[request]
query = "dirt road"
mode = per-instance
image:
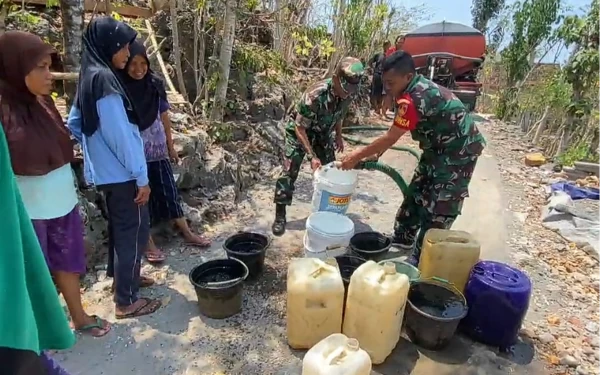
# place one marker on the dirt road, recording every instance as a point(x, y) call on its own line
point(177, 340)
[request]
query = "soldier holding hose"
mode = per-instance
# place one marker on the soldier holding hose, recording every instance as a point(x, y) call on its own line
point(310, 130)
point(451, 144)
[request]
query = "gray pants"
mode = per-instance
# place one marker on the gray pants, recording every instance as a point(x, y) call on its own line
point(128, 235)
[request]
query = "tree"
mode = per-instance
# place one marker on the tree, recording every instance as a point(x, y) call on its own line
point(72, 24)
point(581, 71)
point(224, 60)
point(483, 11)
point(177, 48)
point(532, 25)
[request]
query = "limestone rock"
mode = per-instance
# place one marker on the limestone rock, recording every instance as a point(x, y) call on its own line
point(535, 159)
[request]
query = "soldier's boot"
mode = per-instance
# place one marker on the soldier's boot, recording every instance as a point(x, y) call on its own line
point(278, 226)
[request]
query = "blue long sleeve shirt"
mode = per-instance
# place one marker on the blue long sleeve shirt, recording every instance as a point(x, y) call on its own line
point(115, 152)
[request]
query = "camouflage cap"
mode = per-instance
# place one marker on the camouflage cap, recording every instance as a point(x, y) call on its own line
point(350, 70)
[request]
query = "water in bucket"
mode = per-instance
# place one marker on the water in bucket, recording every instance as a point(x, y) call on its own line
point(333, 189)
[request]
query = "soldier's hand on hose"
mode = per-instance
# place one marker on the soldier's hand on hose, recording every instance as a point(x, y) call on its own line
point(315, 164)
point(339, 143)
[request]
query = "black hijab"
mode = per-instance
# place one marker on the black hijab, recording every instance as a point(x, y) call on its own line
point(145, 93)
point(103, 37)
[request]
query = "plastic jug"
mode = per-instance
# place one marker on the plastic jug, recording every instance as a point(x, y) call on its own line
point(315, 301)
point(336, 355)
point(375, 308)
point(449, 255)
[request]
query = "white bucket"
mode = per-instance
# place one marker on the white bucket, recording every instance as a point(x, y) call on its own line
point(333, 189)
point(327, 235)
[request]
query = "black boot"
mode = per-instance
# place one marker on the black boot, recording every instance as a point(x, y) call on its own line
point(278, 226)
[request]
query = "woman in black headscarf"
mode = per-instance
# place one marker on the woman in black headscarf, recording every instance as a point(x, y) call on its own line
point(108, 123)
point(147, 93)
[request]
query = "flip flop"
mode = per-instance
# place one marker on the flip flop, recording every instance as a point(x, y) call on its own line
point(151, 306)
point(204, 244)
point(155, 257)
point(98, 324)
point(145, 282)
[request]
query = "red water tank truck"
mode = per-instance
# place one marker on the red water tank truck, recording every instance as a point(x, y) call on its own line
point(450, 54)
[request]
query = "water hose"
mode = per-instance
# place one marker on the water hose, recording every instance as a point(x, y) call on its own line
point(376, 165)
point(351, 129)
point(386, 169)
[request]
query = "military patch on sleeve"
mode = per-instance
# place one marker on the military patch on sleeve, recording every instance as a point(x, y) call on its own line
point(405, 115)
point(402, 108)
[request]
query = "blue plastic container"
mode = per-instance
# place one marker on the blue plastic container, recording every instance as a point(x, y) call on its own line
point(498, 296)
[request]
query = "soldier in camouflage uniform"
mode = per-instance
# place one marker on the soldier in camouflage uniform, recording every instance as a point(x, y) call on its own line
point(451, 144)
point(314, 130)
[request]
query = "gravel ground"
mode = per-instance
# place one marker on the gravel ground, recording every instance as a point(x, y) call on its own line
point(177, 340)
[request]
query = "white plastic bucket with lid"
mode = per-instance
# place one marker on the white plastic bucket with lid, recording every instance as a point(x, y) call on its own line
point(333, 189)
point(327, 235)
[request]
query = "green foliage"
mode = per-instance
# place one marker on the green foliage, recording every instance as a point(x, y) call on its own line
point(361, 22)
point(579, 152)
point(251, 5)
point(116, 16)
point(483, 11)
point(221, 132)
point(582, 68)
point(249, 57)
point(24, 18)
point(532, 25)
point(557, 94)
point(52, 3)
point(309, 40)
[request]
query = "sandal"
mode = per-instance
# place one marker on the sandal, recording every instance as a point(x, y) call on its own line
point(203, 242)
point(155, 257)
point(145, 282)
point(151, 306)
point(99, 324)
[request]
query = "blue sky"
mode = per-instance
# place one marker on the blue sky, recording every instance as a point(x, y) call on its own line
point(460, 11)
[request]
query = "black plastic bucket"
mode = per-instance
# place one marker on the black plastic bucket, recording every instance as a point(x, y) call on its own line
point(370, 245)
point(219, 287)
point(348, 264)
point(250, 248)
point(434, 310)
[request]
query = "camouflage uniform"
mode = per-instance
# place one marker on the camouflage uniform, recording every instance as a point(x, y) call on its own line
point(320, 110)
point(451, 144)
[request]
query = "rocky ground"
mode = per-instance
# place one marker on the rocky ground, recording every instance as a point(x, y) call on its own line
point(563, 316)
point(559, 336)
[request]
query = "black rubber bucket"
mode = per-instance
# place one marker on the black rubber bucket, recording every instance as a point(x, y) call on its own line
point(370, 245)
point(219, 287)
point(348, 264)
point(250, 248)
point(434, 310)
